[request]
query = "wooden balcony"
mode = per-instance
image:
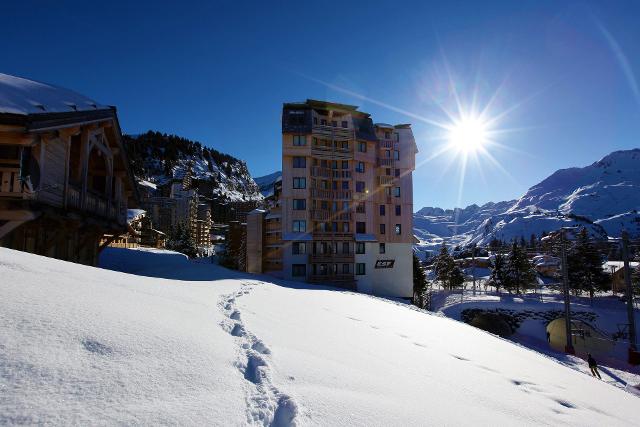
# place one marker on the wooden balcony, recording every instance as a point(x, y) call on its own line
point(330, 152)
point(386, 162)
point(332, 258)
point(385, 180)
point(387, 143)
point(327, 215)
point(331, 235)
point(319, 193)
point(333, 133)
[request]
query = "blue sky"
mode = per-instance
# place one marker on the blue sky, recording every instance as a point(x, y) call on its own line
point(566, 73)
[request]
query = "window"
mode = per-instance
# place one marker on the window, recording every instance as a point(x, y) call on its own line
point(345, 164)
point(397, 172)
point(299, 226)
point(345, 124)
point(382, 210)
point(361, 227)
point(360, 167)
point(398, 210)
point(396, 191)
point(299, 248)
point(387, 135)
point(345, 185)
point(299, 140)
point(345, 206)
point(359, 247)
point(298, 270)
point(396, 155)
point(345, 268)
point(323, 122)
point(383, 228)
point(387, 154)
point(359, 186)
point(296, 118)
point(299, 204)
point(334, 227)
point(334, 164)
point(324, 205)
point(362, 147)
point(345, 247)
point(299, 162)
point(398, 229)
point(334, 123)
point(315, 120)
point(299, 182)
point(345, 227)
point(388, 171)
point(360, 269)
point(383, 248)
point(360, 208)
point(334, 185)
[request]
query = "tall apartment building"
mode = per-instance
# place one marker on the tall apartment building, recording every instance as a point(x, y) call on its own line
point(345, 210)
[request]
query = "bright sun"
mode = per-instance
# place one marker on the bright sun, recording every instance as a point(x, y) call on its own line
point(468, 135)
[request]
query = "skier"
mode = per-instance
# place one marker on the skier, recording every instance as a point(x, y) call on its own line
point(593, 365)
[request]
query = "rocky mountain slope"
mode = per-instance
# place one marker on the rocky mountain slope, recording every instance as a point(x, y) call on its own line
point(265, 183)
point(157, 158)
point(604, 197)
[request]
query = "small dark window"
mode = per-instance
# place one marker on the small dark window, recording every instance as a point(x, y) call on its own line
point(359, 186)
point(334, 124)
point(383, 228)
point(397, 172)
point(299, 182)
point(299, 162)
point(360, 269)
point(383, 248)
point(345, 124)
point(382, 210)
point(359, 247)
point(299, 248)
point(361, 227)
point(299, 204)
point(398, 210)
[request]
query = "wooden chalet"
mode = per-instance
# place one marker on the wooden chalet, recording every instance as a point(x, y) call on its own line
point(64, 176)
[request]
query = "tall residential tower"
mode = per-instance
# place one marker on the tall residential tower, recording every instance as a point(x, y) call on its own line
point(344, 215)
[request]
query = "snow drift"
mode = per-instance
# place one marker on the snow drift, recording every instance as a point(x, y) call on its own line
point(80, 345)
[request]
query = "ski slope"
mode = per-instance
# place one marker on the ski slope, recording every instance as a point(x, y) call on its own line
point(80, 345)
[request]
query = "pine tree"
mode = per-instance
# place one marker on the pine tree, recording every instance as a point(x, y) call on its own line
point(180, 240)
point(419, 283)
point(520, 272)
point(456, 278)
point(498, 273)
point(443, 266)
point(585, 267)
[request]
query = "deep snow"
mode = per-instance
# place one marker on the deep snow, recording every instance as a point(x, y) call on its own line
point(91, 346)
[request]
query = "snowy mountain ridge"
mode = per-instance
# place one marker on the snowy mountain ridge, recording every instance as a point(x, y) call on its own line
point(266, 182)
point(604, 197)
point(158, 158)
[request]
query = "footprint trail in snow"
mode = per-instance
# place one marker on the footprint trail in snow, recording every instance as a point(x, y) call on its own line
point(266, 404)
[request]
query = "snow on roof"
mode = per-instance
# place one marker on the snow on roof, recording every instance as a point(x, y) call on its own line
point(273, 216)
point(146, 183)
point(23, 96)
point(619, 264)
point(360, 237)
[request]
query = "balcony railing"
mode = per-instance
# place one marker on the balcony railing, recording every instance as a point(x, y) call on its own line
point(385, 181)
point(387, 143)
point(334, 235)
point(327, 215)
point(333, 133)
point(331, 258)
point(386, 162)
point(320, 193)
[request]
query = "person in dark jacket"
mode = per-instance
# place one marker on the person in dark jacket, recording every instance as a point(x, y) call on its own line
point(593, 365)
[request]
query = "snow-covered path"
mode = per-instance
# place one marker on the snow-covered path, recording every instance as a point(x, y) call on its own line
point(80, 345)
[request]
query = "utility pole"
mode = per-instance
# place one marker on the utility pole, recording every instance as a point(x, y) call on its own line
point(629, 293)
point(473, 267)
point(567, 301)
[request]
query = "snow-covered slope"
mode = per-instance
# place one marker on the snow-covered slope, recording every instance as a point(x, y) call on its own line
point(80, 345)
point(158, 158)
point(266, 182)
point(604, 197)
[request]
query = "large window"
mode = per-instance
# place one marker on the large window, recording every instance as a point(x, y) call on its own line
point(360, 167)
point(359, 186)
point(359, 247)
point(299, 162)
point(299, 182)
point(398, 210)
point(299, 204)
point(361, 227)
point(362, 147)
point(360, 269)
point(398, 229)
point(299, 226)
point(382, 210)
point(298, 270)
point(299, 248)
point(299, 140)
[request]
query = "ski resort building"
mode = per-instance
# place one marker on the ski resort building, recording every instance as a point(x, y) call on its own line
point(344, 214)
point(65, 181)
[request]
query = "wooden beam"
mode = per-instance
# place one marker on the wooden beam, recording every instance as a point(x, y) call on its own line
point(18, 215)
point(12, 138)
point(107, 242)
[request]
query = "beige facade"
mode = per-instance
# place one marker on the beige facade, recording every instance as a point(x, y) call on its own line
point(344, 215)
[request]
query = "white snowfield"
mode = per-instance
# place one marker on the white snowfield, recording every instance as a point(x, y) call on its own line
point(80, 345)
